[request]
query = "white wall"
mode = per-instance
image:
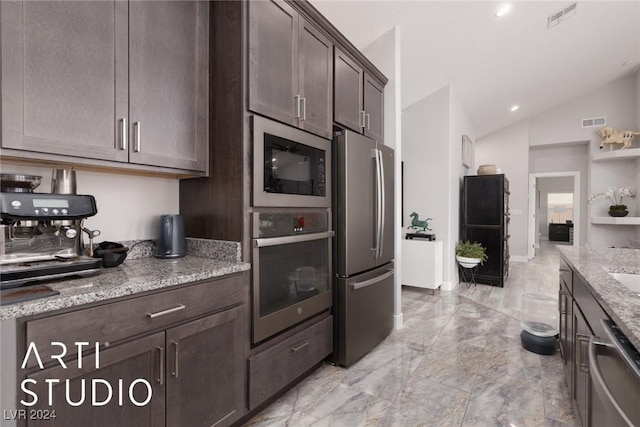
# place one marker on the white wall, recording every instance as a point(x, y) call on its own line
point(426, 149)
point(460, 124)
point(565, 158)
point(385, 54)
point(619, 102)
point(508, 149)
point(616, 101)
point(432, 132)
point(129, 206)
point(544, 187)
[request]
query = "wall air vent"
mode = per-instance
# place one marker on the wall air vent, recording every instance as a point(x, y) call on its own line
point(561, 15)
point(593, 122)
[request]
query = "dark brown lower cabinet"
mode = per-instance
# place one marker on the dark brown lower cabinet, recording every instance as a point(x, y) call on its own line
point(156, 366)
point(205, 375)
point(125, 364)
point(581, 386)
point(565, 306)
point(194, 374)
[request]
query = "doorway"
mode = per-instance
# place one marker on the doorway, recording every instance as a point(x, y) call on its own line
point(554, 209)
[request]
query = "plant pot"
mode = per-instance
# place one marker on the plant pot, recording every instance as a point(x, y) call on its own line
point(618, 213)
point(467, 262)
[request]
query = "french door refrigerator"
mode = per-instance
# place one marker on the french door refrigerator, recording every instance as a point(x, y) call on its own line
point(364, 223)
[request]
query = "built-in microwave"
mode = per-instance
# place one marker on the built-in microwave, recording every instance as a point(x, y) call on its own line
point(291, 168)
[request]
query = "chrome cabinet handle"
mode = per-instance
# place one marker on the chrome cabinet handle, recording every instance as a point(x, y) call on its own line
point(368, 121)
point(123, 136)
point(361, 119)
point(161, 364)
point(297, 98)
point(304, 108)
point(301, 346)
point(136, 146)
point(175, 360)
point(163, 312)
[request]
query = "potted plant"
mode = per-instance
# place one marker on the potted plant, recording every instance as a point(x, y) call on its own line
point(470, 254)
point(616, 196)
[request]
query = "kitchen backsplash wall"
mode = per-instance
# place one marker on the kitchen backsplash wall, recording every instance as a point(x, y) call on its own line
point(129, 206)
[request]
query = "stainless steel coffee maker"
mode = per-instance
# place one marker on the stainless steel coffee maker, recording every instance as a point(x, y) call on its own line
point(40, 235)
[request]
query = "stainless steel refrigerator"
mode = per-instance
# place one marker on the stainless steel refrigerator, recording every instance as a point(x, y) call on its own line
point(364, 210)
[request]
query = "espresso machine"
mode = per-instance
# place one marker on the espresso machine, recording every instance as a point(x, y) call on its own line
point(41, 233)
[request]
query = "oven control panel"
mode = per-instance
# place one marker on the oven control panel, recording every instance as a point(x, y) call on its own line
point(287, 223)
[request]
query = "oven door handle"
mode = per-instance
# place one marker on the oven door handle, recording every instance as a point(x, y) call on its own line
point(598, 384)
point(273, 241)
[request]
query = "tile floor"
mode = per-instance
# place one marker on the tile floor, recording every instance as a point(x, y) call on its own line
point(457, 361)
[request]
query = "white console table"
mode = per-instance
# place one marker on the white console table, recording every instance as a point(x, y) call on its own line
point(422, 263)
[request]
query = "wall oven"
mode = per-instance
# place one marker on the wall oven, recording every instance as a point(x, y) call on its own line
point(290, 166)
point(291, 268)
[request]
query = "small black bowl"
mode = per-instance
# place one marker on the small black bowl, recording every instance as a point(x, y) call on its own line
point(112, 254)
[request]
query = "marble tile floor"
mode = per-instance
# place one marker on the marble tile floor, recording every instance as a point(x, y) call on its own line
point(457, 361)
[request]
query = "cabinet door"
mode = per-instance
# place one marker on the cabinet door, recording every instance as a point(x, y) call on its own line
point(483, 197)
point(129, 363)
point(373, 108)
point(168, 83)
point(581, 382)
point(348, 106)
point(64, 77)
point(491, 238)
point(316, 80)
point(206, 358)
point(565, 306)
point(273, 60)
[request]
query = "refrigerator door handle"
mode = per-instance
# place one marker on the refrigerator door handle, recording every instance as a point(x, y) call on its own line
point(383, 205)
point(379, 206)
point(359, 285)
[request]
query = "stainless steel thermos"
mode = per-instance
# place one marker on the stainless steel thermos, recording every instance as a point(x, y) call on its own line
point(171, 241)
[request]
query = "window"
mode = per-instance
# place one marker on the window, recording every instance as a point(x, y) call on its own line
point(560, 207)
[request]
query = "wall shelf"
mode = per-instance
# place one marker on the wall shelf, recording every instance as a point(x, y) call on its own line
point(627, 220)
point(631, 153)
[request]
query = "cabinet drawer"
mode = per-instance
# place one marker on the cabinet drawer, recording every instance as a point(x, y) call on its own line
point(273, 369)
point(119, 320)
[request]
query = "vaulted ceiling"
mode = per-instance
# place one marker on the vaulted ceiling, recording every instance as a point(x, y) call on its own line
point(494, 63)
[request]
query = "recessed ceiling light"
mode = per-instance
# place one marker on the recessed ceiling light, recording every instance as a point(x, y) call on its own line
point(515, 108)
point(504, 9)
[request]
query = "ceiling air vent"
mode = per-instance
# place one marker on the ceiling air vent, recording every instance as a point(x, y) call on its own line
point(593, 122)
point(561, 15)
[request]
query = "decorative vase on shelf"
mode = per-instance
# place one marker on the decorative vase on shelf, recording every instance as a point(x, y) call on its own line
point(618, 210)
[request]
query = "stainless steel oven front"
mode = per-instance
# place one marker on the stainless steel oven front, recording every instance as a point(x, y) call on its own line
point(291, 167)
point(291, 268)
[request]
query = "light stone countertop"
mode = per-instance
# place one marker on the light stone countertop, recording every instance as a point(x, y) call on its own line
point(620, 303)
point(206, 259)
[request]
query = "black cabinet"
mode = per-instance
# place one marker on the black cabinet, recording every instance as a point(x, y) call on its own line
point(560, 232)
point(485, 219)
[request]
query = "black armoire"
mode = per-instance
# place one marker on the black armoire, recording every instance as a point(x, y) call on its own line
point(485, 219)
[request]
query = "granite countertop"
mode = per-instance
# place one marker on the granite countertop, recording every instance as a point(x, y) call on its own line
point(620, 303)
point(140, 272)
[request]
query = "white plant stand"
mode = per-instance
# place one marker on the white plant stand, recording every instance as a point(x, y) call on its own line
point(422, 263)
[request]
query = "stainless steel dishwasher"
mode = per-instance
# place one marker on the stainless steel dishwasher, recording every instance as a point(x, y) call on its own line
point(614, 365)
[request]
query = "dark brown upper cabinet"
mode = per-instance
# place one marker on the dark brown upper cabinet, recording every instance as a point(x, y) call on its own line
point(358, 98)
point(106, 81)
point(290, 68)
